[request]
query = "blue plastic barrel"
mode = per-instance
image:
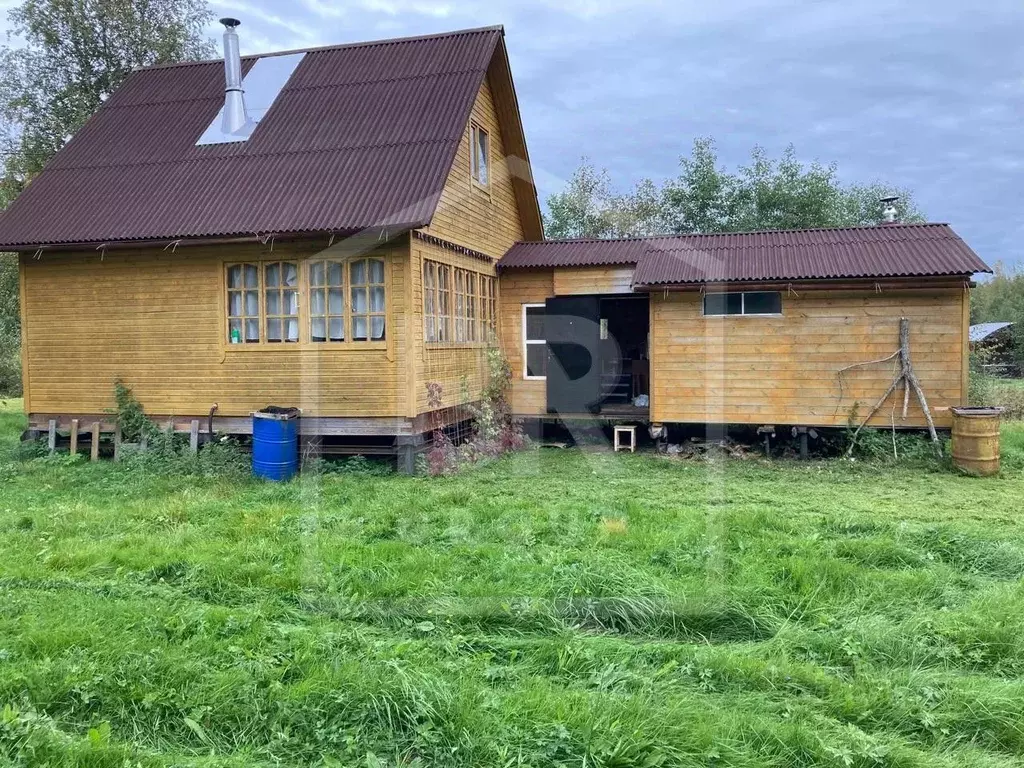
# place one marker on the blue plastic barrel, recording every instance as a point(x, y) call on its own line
point(275, 443)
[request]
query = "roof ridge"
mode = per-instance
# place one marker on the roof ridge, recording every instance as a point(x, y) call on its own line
point(333, 47)
point(219, 95)
point(681, 235)
point(181, 160)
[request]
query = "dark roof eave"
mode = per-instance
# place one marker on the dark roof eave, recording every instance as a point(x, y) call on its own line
point(775, 281)
point(391, 230)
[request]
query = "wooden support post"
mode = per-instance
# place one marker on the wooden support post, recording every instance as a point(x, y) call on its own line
point(94, 447)
point(117, 441)
point(74, 436)
point(406, 449)
point(804, 452)
point(193, 436)
point(51, 441)
point(144, 441)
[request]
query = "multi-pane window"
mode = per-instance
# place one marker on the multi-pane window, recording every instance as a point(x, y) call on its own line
point(281, 293)
point(243, 303)
point(326, 301)
point(489, 304)
point(465, 305)
point(458, 304)
point(480, 149)
point(444, 303)
point(535, 351)
point(344, 300)
point(746, 303)
point(472, 332)
point(367, 280)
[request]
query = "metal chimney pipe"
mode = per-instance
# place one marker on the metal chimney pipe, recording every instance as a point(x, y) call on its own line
point(235, 114)
point(889, 212)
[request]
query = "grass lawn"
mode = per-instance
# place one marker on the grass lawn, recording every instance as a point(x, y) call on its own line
point(554, 608)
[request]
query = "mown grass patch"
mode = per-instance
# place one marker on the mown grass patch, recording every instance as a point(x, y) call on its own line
point(549, 609)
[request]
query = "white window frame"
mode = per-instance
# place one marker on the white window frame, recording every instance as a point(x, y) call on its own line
point(527, 342)
point(476, 155)
point(743, 305)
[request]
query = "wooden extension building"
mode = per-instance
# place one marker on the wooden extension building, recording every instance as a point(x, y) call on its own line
point(353, 234)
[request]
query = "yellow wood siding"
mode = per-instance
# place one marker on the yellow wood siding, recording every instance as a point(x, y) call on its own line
point(485, 220)
point(460, 368)
point(783, 370)
point(518, 288)
point(156, 319)
point(589, 280)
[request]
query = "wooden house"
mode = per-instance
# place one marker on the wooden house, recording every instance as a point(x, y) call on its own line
point(346, 230)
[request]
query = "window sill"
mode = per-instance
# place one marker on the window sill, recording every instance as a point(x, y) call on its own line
point(456, 344)
point(305, 345)
point(535, 378)
point(773, 314)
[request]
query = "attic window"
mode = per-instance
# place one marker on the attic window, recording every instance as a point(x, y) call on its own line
point(480, 147)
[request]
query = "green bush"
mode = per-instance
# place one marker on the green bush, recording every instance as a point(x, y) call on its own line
point(10, 327)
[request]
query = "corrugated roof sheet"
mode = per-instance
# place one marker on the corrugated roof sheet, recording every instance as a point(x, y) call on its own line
point(891, 250)
point(982, 331)
point(362, 136)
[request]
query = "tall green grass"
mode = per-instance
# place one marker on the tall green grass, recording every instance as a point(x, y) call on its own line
point(550, 609)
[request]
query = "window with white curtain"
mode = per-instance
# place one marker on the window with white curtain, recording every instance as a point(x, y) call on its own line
point(243, 303)
point(366, 276)
point(281, 292)
point(326, 301)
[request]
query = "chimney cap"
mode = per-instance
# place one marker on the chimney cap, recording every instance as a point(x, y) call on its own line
point(230, 23)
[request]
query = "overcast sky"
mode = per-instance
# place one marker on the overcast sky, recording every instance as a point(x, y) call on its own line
point(924, 94)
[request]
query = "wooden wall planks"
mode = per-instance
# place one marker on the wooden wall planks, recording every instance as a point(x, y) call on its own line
point(784, 369)
point(156, 320)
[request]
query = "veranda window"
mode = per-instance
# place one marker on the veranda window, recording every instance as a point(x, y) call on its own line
point(243, 304)
point(326, 301)
point(281, 290)
point(280, 302)
point(367, 280)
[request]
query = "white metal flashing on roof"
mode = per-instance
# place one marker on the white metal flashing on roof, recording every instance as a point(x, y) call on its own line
point(261, 86)
point(982, 331)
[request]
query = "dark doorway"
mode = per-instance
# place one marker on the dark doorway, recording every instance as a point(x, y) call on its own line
point(572, 331)
point(598, 360)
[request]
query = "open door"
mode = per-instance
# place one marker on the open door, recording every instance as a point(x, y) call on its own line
point(572, 329)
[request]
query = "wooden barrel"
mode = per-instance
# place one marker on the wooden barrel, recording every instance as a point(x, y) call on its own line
point(976, 440)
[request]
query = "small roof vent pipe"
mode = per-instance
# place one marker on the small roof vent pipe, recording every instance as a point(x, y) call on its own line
point(235, 115)
point(889, 209)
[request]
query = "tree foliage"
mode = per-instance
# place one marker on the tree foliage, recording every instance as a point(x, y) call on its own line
point(62, 60)
point(765, 193)
point(70, 55)
point(1000, 299)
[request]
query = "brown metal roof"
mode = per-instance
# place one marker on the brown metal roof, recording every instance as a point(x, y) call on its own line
point(362, 137)
point(891, 250)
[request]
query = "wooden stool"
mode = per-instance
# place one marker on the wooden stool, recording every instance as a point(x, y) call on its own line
point(625, 430)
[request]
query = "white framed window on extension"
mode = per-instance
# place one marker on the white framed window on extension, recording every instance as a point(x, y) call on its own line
point(535, 349)
point(753, 303)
